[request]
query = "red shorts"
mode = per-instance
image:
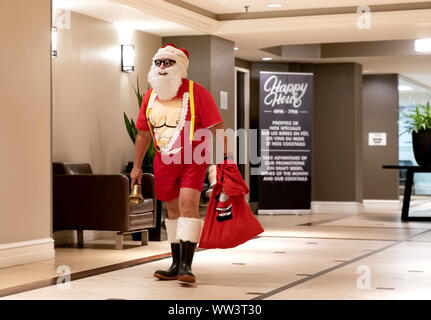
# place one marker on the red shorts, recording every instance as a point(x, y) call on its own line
point(170, 178)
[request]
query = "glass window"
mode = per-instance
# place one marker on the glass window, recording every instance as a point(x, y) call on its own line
point(411, 93)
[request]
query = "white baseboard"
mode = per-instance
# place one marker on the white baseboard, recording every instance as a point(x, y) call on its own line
point(336, 207)
point(342, 207)
point(12, 254)
point(281, 211)
point(371, 205)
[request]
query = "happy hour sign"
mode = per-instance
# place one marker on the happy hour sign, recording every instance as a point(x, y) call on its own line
point(279, 92)
point(286, 101)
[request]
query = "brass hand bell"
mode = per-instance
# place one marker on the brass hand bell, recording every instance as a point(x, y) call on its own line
point(136, 196)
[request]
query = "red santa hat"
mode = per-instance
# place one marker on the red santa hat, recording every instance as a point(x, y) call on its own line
point(180, 55)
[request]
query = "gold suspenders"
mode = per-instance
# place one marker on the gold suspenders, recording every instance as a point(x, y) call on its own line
point(192, 110)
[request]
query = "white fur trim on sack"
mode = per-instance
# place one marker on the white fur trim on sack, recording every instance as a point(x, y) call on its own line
point(171, 230)
point(189, 229)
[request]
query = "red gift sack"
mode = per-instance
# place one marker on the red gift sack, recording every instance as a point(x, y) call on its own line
point(229, 221)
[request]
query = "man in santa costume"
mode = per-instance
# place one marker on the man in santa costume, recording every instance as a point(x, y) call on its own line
point(171, 112)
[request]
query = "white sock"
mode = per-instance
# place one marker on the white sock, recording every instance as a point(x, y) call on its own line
point(189, 229)
point(223, 197)
point(171, 230)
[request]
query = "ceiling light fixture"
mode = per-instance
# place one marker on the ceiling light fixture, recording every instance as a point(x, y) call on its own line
point(236, 48)
point(267, 59)
point(274, 5)
point(423, 45)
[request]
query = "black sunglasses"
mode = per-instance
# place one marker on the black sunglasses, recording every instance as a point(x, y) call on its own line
point(167, 63)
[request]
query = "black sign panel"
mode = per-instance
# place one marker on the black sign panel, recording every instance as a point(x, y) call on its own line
point(286, 101)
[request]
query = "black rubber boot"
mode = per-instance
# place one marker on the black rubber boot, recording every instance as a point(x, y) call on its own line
point(187, 251)
point(172, 272)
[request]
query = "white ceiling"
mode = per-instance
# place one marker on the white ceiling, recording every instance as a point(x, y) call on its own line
point(122, 14)
point(261, 33)
point(251, 35)
point(237, 6)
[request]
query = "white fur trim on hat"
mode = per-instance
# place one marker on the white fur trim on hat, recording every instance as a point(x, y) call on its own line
point(173, 53)
point(189, 229)
point(171, 230)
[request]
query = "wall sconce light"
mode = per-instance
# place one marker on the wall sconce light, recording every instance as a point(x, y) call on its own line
point(54, 41)
point(127, 58)
point(423, 45)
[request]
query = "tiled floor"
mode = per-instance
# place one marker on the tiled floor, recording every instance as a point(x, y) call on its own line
point(97, 253)
point(366, 256)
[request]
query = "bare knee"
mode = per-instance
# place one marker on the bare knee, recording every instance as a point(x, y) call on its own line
point(173, 209)
point(189, 208)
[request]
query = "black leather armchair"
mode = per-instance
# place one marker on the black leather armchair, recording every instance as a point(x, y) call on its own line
point(83, 200)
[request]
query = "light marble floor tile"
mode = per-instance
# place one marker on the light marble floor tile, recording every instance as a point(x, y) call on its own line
point(77, 259)
point(310, 294)
point(329, 247)
point(54, 293)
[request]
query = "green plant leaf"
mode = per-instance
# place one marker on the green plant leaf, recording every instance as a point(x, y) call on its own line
point(138, 93)
point(418, 119)
point(129, 128)
point(135, 130)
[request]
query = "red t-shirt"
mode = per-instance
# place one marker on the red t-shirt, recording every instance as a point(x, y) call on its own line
point(206, 111)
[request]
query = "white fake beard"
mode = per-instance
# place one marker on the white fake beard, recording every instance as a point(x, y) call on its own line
point(166, 83)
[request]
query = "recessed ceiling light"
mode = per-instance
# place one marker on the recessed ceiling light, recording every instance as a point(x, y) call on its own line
point(423, 45)
point(274, 5)
point(236, 48)
point(403, 87)
point(267, 59)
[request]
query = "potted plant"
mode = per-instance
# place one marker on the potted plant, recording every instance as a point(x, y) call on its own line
point(147, 164)
point(418, 123)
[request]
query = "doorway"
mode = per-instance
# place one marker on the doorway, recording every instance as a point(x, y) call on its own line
point(242, 121)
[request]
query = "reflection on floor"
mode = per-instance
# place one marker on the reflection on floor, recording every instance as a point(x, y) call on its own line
point(366, 256)
point(419, 205)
